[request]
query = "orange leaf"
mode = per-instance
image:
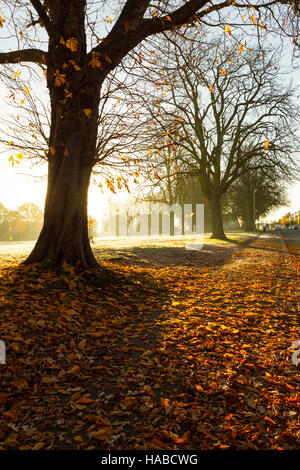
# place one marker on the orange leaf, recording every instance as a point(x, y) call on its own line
point(60, 78)
point(103, 433)
point(95, 63)
point(87, 112)
point(72, 44)
point(158, 443)
point(85, 400)
point(227, 30)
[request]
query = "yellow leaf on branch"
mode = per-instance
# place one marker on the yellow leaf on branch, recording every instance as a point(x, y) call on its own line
point(87, 112)
point(95, 62)
point(60, 78)
point(68, 93)
point(76, 66)
point(2, 20)
point(227, 30)
point(72, 44)
point(107, 59)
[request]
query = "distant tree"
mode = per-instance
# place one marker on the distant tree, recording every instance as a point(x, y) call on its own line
point(257, 190)
point(30, 212)
point(22, 224)
point(4, 225)
point(25, 223)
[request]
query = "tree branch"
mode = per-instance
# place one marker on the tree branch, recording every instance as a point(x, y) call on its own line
point(132, 13)
point(27, 55)
point(43, 17)
point(176, 18)
point(134, 28)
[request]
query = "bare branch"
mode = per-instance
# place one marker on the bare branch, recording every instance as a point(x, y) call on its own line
point(134, 28)
point(27, 55)
point(44, 17)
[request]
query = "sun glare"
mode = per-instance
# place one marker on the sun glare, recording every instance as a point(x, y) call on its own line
point(19, 186)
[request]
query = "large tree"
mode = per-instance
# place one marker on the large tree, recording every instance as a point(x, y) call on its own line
point(228, 107)
point(75, 75)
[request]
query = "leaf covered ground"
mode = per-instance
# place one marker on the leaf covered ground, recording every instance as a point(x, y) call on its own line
point(185, 350)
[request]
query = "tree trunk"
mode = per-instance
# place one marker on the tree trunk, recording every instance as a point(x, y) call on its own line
point(248, 217)
point(216, 218)
point(64, 236)
point(73, 137)
point(74, 88)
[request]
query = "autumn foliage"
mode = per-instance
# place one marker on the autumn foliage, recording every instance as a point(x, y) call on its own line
point(190, 351)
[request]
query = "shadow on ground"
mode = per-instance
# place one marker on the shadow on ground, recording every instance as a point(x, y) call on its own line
point(168, 256)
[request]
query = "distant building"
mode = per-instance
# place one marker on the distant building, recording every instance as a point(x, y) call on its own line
point(290, 217)
point(297, 217)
